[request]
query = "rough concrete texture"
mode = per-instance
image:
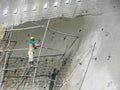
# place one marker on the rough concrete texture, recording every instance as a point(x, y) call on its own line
point(20, 11)
point(2, 33)
point(103, 72)
point(57, 44)
point(86, 67)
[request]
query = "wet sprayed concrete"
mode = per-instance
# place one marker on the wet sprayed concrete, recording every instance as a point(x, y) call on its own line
point(103, 71)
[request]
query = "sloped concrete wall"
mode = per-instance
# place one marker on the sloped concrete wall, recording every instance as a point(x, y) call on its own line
point(100, 25)
point(53, 40)
point(18, 12)
point(103, 72)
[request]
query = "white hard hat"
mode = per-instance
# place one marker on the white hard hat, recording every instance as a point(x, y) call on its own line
point(31, 37)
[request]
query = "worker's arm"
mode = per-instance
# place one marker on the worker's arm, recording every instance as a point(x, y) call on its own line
point(37, 45)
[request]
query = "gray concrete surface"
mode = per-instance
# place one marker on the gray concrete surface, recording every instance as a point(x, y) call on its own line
point(103, 73)
point(93, 20)
point(17, 12)
point(48, 61)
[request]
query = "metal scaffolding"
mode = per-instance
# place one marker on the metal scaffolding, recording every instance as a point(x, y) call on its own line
point(27, 68)
point(23, 29)
point(46, 29)
point(6, 58)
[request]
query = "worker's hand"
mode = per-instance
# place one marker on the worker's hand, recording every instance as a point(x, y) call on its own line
point(37, 45)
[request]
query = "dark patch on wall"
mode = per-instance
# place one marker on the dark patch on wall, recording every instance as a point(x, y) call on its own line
point(114, 6)
point(80, 63)
point(28, 35)
point(109, 57)
point(107, 34)
point(102, 29)
point(64, 38)
point(95, 58)
point(53, 33)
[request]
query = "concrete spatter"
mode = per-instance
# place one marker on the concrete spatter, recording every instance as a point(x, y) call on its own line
point(101, 79)
point(100, 71)
point(82, 57)
point(103, 73)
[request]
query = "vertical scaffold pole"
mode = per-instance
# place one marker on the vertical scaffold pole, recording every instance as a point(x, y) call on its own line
point(6, 59)
point(39, 54)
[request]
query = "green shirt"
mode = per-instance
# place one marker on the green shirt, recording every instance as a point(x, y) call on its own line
point(31, 45)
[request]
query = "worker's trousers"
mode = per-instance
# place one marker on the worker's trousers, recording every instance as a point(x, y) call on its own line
point(30, 56)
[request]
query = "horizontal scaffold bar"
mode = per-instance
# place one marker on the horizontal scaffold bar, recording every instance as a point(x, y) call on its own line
point(21, 29)
point(17, 68)
point(21, 58)
point(23, 49)
point(29, 76)
point(14, 68)
point(62, 33)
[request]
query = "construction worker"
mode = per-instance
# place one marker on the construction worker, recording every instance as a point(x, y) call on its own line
point(32, 46)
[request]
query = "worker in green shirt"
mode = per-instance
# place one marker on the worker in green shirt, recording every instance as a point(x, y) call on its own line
point(32, 47)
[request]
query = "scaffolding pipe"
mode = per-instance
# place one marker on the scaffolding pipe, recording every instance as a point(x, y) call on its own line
point(46, 29)
point(54, 55)
point(62, 33)
point(17, 68)
point(20, 58)
point(27, 28)
point(88, 65)
point(2, 57)
point(22, 79)
point(29, 76)
point(23, 49)
point(14, 68)
point(2, 78)
point(18, 76)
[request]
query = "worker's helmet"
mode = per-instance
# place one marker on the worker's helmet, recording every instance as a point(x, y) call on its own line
point(32, 38)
